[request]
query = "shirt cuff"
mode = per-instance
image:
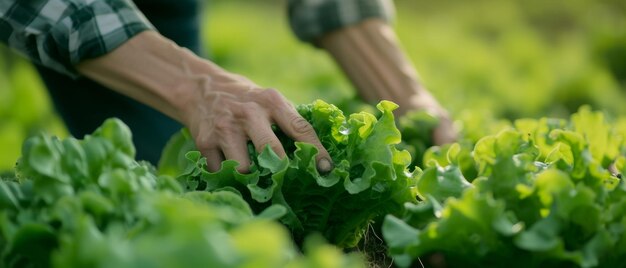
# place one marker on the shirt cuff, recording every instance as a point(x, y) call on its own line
point(310, 19)
point(88, 30)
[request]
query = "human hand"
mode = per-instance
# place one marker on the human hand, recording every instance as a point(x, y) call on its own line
point(371, 56)
point(445, 131)
point(222, 110)
point(226, 110)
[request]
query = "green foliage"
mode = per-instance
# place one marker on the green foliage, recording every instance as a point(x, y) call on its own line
point(24, 108)
point(517, 59)
point(543, 196)
point(370, 177)
point(88, 203)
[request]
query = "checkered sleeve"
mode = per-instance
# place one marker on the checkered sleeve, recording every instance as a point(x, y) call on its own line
point(310, 19)
point(59, 34)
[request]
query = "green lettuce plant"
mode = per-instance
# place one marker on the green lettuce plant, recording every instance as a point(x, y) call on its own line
point(370, 176)
point(544, 196)
point(88, 203)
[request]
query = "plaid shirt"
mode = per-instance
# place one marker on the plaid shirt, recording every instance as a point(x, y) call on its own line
point(310, 19)
point(59, 34)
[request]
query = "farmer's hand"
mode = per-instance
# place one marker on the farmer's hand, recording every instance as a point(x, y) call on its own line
point(445, 132)
point(222, 110)
point(227, 110)
point(371, 57)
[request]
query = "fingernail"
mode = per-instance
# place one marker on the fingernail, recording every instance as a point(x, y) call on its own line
point(324, 165)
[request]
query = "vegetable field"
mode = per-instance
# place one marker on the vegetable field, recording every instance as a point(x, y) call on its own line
point(536, 89)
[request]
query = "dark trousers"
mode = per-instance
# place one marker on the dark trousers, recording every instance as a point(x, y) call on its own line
point(84, 104)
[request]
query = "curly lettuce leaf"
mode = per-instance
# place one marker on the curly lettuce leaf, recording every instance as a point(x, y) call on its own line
point(543, 196)
point(88, 203)
point(370, 177)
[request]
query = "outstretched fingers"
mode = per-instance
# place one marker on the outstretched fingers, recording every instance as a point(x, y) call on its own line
point(296, 127)
point(235, 147)
point(261, 134)
point(251, 118)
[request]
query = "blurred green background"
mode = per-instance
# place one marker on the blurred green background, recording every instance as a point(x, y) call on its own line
point(486, 61)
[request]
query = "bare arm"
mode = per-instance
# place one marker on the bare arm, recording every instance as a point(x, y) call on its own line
point(371, 57)
point(221, 109)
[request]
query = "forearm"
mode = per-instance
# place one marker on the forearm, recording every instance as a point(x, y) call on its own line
point(150, 69)
point(222, 110)
point(371, 57)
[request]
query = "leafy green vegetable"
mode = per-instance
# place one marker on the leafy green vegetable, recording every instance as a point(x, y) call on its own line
point(88, 203)
point(370, 177)
point(543, 197)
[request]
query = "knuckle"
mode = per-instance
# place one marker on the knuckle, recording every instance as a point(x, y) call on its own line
point(271, 96)
point(223, 125)
point(249, 110)
point(272, 93)
point(264, 141)
point(203, 142)
point(301, 126)
point(204, 146)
